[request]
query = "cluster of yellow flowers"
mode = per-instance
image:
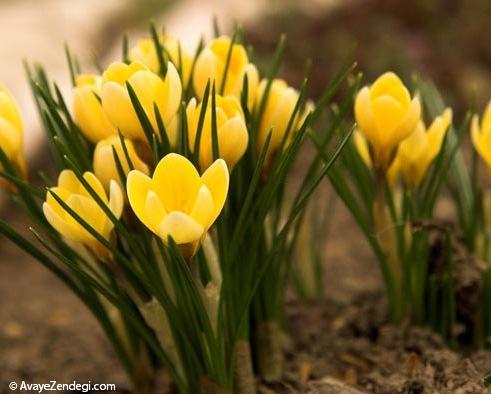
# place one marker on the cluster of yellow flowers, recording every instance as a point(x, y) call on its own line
point(175, 201)
point(392, 137)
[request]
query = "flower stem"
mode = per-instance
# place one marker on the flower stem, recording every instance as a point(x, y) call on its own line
point(386, 237)
point(270, 356)
point(244, 373)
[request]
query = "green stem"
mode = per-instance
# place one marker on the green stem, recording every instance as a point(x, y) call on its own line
point(386, 237)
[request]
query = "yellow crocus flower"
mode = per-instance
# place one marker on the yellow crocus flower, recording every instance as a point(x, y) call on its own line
point(145, 53)
point(177, 202)
point(105, 167)
point(211, 63)
point(12, 131)
point(150, 89)
point(481, 136)
point(71, 191)
point(231, 130)
point(278, 110)
point(386, 115)
point(416, 152)
point(87, 109)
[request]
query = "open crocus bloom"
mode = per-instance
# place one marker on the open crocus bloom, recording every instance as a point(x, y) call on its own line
point(232, 132)
point(481, 136)
point(386, 115)
point(150, 90)
point(71, 191)
point(417, 151)
point(11, 131)
point(177, 202)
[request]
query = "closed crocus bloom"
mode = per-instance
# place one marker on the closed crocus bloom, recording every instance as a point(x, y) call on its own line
point(386, 115)
point(105, 167)
point(87, 109)
point(232, 133)
point(145, 53)
point(416, 152)
point(71, 191)
point(481, 136)
point(211, 65)
point(12, 131)
point(177, 202)
point(278, 110)
point(150, 89)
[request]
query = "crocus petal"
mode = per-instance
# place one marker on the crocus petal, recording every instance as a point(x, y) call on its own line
point(203, 209)
point(182, 228)
point(138, 185)
point(177, 183)
point(365, 117)
point(391, 85)
point(216, 178)
point(154, 211)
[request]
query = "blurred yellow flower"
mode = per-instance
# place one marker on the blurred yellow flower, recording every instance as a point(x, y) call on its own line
point(12, 131)
point(87, 109)
point(386, 115)
point(71, 191)
point(177, 202)
point(145, 53)
point(150, 89)
point(211, 64)
point(231, 130)
point(278, 110)
point(481, 136)
point(105, 167)
point(417, 151)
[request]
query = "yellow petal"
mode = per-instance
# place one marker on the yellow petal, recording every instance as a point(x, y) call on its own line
point(9, 109)
point(154, 211)
point(233, 139)
point(409, 121)
point(138, 186)
point(389, 84)
point(177, 182)
point(216, 178)
point(203, 209)
point(182, 228)
point(10, 139)
point(119, 110)
point(365, 117)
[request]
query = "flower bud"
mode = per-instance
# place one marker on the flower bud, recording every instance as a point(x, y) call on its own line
point(87, 109)
point(12, 132)
point(232, 133)
point(71, 191)
point(481, 136)
point(417, 151)
point(105, 167)
point(211, 65)
point(144, 52)
point(177, 202)
point(150, 89)
point(278, 110)
point(386, 115)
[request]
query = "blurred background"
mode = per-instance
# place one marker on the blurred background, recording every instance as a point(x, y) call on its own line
point(44, 331)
